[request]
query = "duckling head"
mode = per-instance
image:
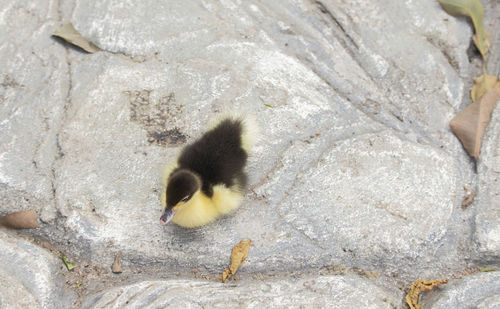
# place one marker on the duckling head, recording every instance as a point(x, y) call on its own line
point(181, 187)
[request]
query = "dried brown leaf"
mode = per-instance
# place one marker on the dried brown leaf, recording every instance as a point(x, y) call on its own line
point(26, 219)
point(419, 286)
point(238, 255)
point(117, 268)
point(69, 34)
point(469, 125)
point(468, 199)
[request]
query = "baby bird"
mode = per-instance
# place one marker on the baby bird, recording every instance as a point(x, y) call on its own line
point(208, 178)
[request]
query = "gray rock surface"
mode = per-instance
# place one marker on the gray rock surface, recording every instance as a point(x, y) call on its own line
point(30, 276)
point(487, 233)
point(480, 291)
point(322, 292)
point(109, 171)
point(355, 166)
point(33, 90)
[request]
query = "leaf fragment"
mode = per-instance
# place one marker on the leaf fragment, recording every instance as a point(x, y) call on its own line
point(419, 286)
point(117, 268)
point(473, 9)
point(470, 124)
point(26, 219)
point(269, 105)
point(68, 33)
point(482, 84)
point(468, 199)
point(68, 264)
point(238, 255)
point(487, 269)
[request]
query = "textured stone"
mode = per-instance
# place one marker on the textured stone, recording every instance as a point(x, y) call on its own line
point(356, 165)
point(328, 199)
point(321, 292)
point(487, 233)
point(378, 200)
point(487, 221)
point(34, 85)
point(481, 291)
point(31, 277)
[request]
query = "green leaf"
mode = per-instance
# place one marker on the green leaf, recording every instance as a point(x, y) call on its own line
point(269, 105)
point(69, 266)
point(473, 9)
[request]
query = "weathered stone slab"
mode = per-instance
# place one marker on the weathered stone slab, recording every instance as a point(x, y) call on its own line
point(487, 232)
point(321, 292)
point(377, 200)
point(355, 166)
point(31, 276)
point(397, 197)
point(34, 84)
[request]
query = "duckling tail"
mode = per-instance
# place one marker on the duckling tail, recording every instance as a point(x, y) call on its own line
point(250, 132)
point(250, 127)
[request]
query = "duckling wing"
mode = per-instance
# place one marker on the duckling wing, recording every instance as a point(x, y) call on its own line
point(218, 156)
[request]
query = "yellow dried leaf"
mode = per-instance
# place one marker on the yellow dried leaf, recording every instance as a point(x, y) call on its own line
point(419, 286)
point(69, 34)
point(469, 125)
point(482, 84)
point(26, 219)
point(238, 256)
point(473, 9)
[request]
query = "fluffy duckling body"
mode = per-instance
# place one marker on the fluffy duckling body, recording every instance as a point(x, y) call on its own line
point(208, 178)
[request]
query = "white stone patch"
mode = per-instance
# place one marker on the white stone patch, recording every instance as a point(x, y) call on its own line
point(391, 194)
point(4, 178)
point(329, 291)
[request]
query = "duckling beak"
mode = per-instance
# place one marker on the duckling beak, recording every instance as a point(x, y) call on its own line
point(166, 216)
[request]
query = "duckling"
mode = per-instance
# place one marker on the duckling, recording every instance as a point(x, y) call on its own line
point(208, 178)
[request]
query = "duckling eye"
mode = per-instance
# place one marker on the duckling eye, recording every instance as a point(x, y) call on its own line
point(185, 199)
